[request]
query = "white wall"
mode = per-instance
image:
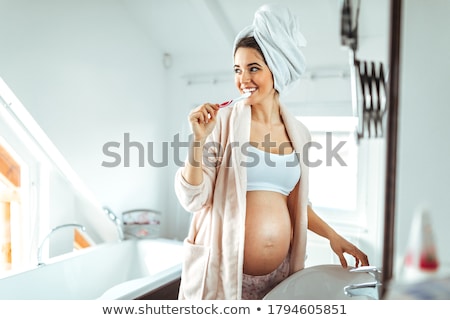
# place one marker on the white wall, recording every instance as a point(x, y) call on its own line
point(88, 74)
point(424, 153)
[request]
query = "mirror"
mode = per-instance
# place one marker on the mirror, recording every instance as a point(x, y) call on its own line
point(111, 86)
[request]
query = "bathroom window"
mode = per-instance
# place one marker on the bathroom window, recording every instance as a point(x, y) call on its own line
point(333, 161)
point(38, 190)
point(21, 175)
point(9, 204)
point(347, 191)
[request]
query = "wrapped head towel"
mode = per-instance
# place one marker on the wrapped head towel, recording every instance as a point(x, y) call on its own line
point(277, 32)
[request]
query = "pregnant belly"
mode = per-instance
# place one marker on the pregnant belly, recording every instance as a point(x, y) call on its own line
point(267, 232)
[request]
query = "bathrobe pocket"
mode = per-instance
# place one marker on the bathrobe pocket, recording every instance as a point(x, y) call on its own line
point(193, 274)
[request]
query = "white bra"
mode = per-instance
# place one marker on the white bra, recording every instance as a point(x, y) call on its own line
point(271, 171)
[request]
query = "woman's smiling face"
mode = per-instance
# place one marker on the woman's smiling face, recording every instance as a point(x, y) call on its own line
point(252, 74)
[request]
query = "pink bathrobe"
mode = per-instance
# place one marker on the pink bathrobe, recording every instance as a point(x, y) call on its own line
point(214, 247)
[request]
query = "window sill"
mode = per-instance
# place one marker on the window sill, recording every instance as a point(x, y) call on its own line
point(348, 222)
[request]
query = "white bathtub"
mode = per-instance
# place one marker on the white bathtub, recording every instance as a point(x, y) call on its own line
point(122, 270)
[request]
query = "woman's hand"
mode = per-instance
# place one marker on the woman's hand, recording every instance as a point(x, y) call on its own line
point(341, 246)
point(203, 120)
point(337, 242)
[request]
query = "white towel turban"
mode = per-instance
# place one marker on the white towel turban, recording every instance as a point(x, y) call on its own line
point(277, 32)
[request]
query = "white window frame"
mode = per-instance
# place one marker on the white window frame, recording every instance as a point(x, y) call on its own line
point(333, 125)
point(362, 226)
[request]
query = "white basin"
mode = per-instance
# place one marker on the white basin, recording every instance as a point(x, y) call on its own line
point(122, 270)
point(322, 282)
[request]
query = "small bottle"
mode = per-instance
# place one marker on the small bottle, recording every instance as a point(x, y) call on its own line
point(421, 261)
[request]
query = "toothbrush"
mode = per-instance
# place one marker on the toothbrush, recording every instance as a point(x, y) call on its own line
point(242, 97)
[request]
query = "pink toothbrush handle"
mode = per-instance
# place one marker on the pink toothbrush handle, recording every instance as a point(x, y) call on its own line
point(225, 104)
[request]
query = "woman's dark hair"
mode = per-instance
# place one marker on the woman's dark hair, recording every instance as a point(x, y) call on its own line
point(249, 42)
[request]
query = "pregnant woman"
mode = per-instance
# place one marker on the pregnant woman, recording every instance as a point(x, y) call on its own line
point(246, 177)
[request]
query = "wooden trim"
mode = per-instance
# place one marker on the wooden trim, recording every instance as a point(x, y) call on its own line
point(80, 240)
point(5, 241)
point(9, 168)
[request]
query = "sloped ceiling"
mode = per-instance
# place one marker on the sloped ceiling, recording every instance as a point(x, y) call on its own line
point(200, 27)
